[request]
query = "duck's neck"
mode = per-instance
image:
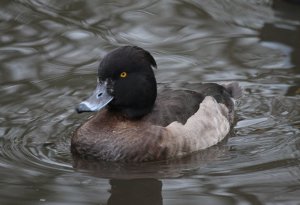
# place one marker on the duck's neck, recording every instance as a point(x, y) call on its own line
point(131, 113)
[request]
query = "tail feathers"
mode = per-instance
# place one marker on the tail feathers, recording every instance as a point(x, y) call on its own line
point(234, 89)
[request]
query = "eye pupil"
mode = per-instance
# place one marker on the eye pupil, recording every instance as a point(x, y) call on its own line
point(123, 74)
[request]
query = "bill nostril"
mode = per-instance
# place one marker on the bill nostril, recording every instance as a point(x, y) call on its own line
point(99, 95)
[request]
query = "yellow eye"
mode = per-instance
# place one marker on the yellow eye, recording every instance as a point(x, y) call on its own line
point(123, 74)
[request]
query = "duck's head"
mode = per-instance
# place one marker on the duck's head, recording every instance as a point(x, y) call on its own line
point(126, 83)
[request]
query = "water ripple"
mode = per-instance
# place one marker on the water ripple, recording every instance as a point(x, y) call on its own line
point(50, 53)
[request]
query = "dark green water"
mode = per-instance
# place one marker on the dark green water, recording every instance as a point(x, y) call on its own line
point(49, 52)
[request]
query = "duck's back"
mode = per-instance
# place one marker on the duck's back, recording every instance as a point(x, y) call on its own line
point(179, 105)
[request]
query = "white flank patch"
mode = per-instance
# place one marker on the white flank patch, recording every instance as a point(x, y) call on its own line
point(205, 128)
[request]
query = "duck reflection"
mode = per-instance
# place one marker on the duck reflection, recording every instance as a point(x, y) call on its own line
point(138, 183)
point(135, 191)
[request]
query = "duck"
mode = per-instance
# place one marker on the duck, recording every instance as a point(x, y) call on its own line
point(135, 121)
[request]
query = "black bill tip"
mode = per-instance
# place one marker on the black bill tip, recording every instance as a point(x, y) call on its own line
point(82, 108)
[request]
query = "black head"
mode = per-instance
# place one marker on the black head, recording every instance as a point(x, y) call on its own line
point(126, 83)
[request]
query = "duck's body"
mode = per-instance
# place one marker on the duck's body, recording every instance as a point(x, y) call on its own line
point(178, 122)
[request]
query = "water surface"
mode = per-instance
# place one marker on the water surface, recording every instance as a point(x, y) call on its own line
point(49, 54)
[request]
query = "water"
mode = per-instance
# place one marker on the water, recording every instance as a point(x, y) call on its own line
point(49, 54)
